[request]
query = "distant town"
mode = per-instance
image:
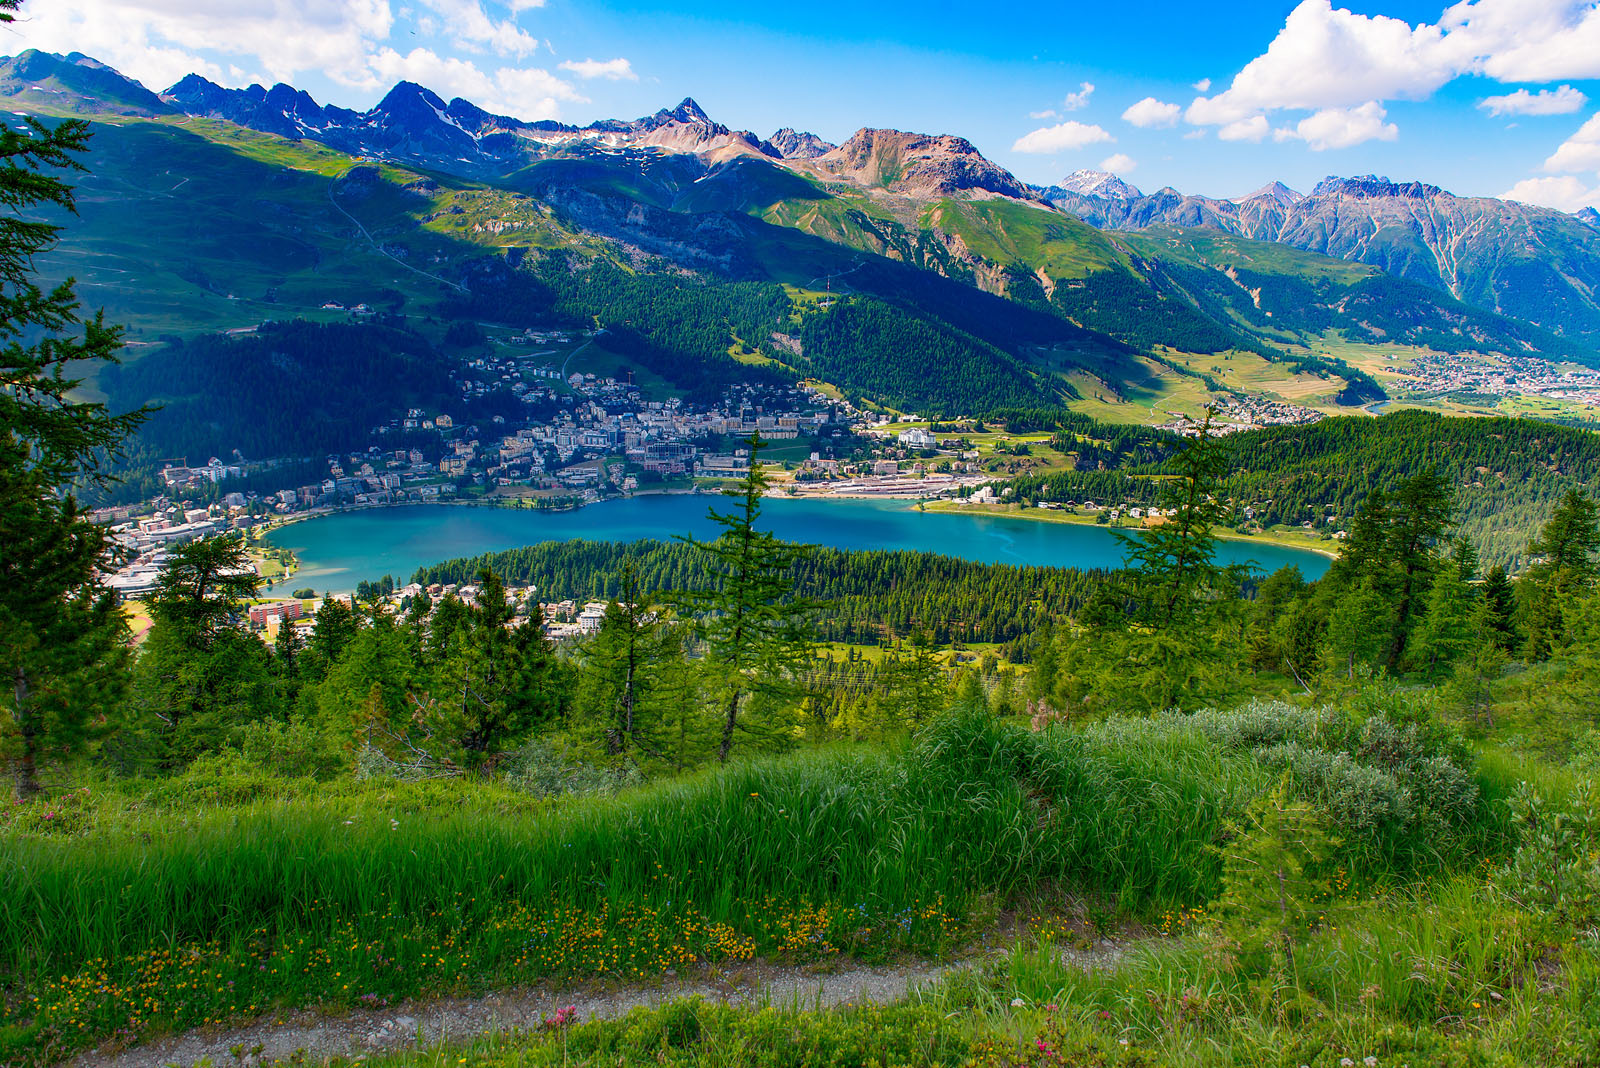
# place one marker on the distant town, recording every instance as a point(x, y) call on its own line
point(585, 438)
point(1498, 376)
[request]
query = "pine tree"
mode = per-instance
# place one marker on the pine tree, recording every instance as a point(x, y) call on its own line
point(287, 664)
point(1447, 631)
point(1352, 638)
point(1422, 510)
point(1172, 564)
point(1499, 598)
point(623, 682)
point(200, 674)
point(1275, 882)
point(917, 682)
point(61, 634)
point(1471, 686)
point(755, 631)
point(335, 627)
point(1394, 549)
point(1563, 571)
point(498, 683)
point(365, 696)
point(1177, 647)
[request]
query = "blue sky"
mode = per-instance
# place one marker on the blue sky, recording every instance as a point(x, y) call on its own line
point(1482, 97)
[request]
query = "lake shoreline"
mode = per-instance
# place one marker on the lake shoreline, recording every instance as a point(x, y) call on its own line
point(1051, 515)
point(364, 544)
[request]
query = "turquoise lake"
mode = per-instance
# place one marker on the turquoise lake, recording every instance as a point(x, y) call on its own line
point(337, 551)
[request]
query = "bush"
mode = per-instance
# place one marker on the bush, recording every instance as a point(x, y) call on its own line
point(542, 768)
point(1397, 781)
point(291, 750)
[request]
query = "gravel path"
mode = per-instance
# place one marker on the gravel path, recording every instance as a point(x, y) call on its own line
point(314, 1037)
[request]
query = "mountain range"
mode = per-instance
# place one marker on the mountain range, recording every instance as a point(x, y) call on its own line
point(1519, 260)
point(1088, 283)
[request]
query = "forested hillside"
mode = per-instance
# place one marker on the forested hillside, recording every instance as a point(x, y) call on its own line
point(288, 388)
point(881, 352)
point(1506, 473)
point(1049, 293)
point(871, 595)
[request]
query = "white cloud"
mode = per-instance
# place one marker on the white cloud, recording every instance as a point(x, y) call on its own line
point(616, 70)
point(469, 26)
point(347, 41)
point(1331, 58)
point(1526, 40)
point(523, 93)
point(158, 41)
point(1564, 194)
point(1342, 127)
point(1121, 163)
point(1063, 137)
point(1152, 112)
point(1048, 113)
point(1326, 58)
point(1079, 100)
point(1252, 129)
point(1580, 152)
point(1202, 86)
point(1562, 101)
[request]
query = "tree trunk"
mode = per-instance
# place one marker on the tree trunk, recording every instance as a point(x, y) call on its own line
point(727, 726)
point(1288, 935)
point(26, 785)
point(627, 686)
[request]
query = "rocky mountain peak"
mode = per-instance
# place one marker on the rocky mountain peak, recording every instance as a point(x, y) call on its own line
point(1370, 186)
point(408, 98)
point(1092, 183)
point(87, 84)
point(1276, 192)
point(797, 144)
point(1589, 216)
point(920, 164)
point(687, 113)
point(193, 89)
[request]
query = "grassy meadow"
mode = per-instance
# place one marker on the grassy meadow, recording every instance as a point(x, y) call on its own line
point(232, 891)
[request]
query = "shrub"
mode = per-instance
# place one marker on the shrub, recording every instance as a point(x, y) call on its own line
point(544, 769)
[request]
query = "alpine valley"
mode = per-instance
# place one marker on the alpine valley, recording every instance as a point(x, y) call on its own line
point(789, 257)
point(515, 594)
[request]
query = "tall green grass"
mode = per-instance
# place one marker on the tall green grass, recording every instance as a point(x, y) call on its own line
point(971, 808)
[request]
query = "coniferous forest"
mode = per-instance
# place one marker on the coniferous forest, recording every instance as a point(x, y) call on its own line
point(1179, 813)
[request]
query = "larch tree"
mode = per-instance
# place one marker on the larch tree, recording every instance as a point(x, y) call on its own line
point(499, 680)
point(1563, 571)
point(755, 631)
point(1173, 563)
point(200, 673)
point(62, 647)
point(624, 667)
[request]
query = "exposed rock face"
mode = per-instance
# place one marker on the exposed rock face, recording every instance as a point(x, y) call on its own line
point(1276, 192)
point(283, 109)
point(1093, 184)
point(1528, 262)
point(413, 123)
point(687, 128)
point(1370, 186)
point(920, 165)
point(797, 144)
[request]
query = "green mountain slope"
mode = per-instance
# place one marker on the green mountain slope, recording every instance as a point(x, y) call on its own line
point(231, 227)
